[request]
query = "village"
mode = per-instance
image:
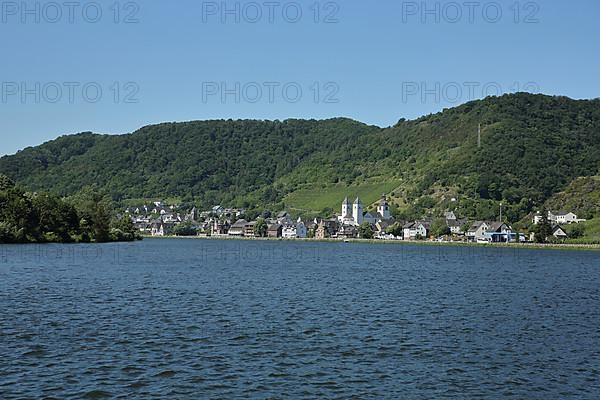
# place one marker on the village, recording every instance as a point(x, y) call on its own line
point(353, 222)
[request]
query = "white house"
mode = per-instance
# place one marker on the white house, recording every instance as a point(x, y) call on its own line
point(561, 217)
point(566, 218)
point(423, 228)
point(456, 225)
point(295, 231)
point(412, 230)
point(289, 232)
point(409, 231)
point(477, 230)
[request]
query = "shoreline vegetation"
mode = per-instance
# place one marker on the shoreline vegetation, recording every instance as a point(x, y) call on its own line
point(522, 246)
point(31, 218)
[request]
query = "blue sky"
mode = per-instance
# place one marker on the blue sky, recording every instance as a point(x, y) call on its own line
point(159, 61)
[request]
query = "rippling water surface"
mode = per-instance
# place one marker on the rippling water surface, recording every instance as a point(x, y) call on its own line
point(193, 319)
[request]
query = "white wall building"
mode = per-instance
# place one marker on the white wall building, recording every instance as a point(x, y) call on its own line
point(566, 218)
point(289, 232)
point(295, 231)
point(562, 217)
point(477, 230)
point(412, 230)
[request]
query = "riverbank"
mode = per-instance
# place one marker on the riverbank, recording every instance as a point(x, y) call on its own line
point(553, 246)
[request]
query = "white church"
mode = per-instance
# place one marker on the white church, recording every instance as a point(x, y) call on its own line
point(353, 214)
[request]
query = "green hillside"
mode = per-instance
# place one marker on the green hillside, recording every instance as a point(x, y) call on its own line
point(328, 196)
point(582, 197)
point(533, 147)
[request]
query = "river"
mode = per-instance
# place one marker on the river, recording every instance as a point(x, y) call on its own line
point(200, 319)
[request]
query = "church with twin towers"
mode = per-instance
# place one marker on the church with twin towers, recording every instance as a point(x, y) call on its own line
point(354, 214)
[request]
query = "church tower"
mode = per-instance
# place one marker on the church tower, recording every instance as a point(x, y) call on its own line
point(346, 209)
point(357, 211)
point(384, 208)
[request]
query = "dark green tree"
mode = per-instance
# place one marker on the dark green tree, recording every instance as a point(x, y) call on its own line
point(543, 230)
point(185, 229)
point(395, 229)
point(122, 229)
point(261, 227)
point(57, 220)
point(439, 227)
point(18, 219)
point(95, 212)
point(365, 231)
point(576, 231)
point(46, 217)
point(6, 183)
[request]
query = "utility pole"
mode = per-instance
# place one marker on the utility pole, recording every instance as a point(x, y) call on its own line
point(479, 137)
point(500, 212)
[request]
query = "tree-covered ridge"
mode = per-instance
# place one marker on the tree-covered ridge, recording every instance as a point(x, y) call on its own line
point(208, 160)
point(532, 147)
point(45, 217)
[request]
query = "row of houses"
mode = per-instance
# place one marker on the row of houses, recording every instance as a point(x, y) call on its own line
point(161, 220)
point(558, 218)
point(316, 228)
point(476, 232)
point(226, 222)
point(282, 227)
point(221, 224)
point(421, 229)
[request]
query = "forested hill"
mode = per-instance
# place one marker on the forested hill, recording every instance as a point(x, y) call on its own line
point(532, 147)
point(212, 160)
